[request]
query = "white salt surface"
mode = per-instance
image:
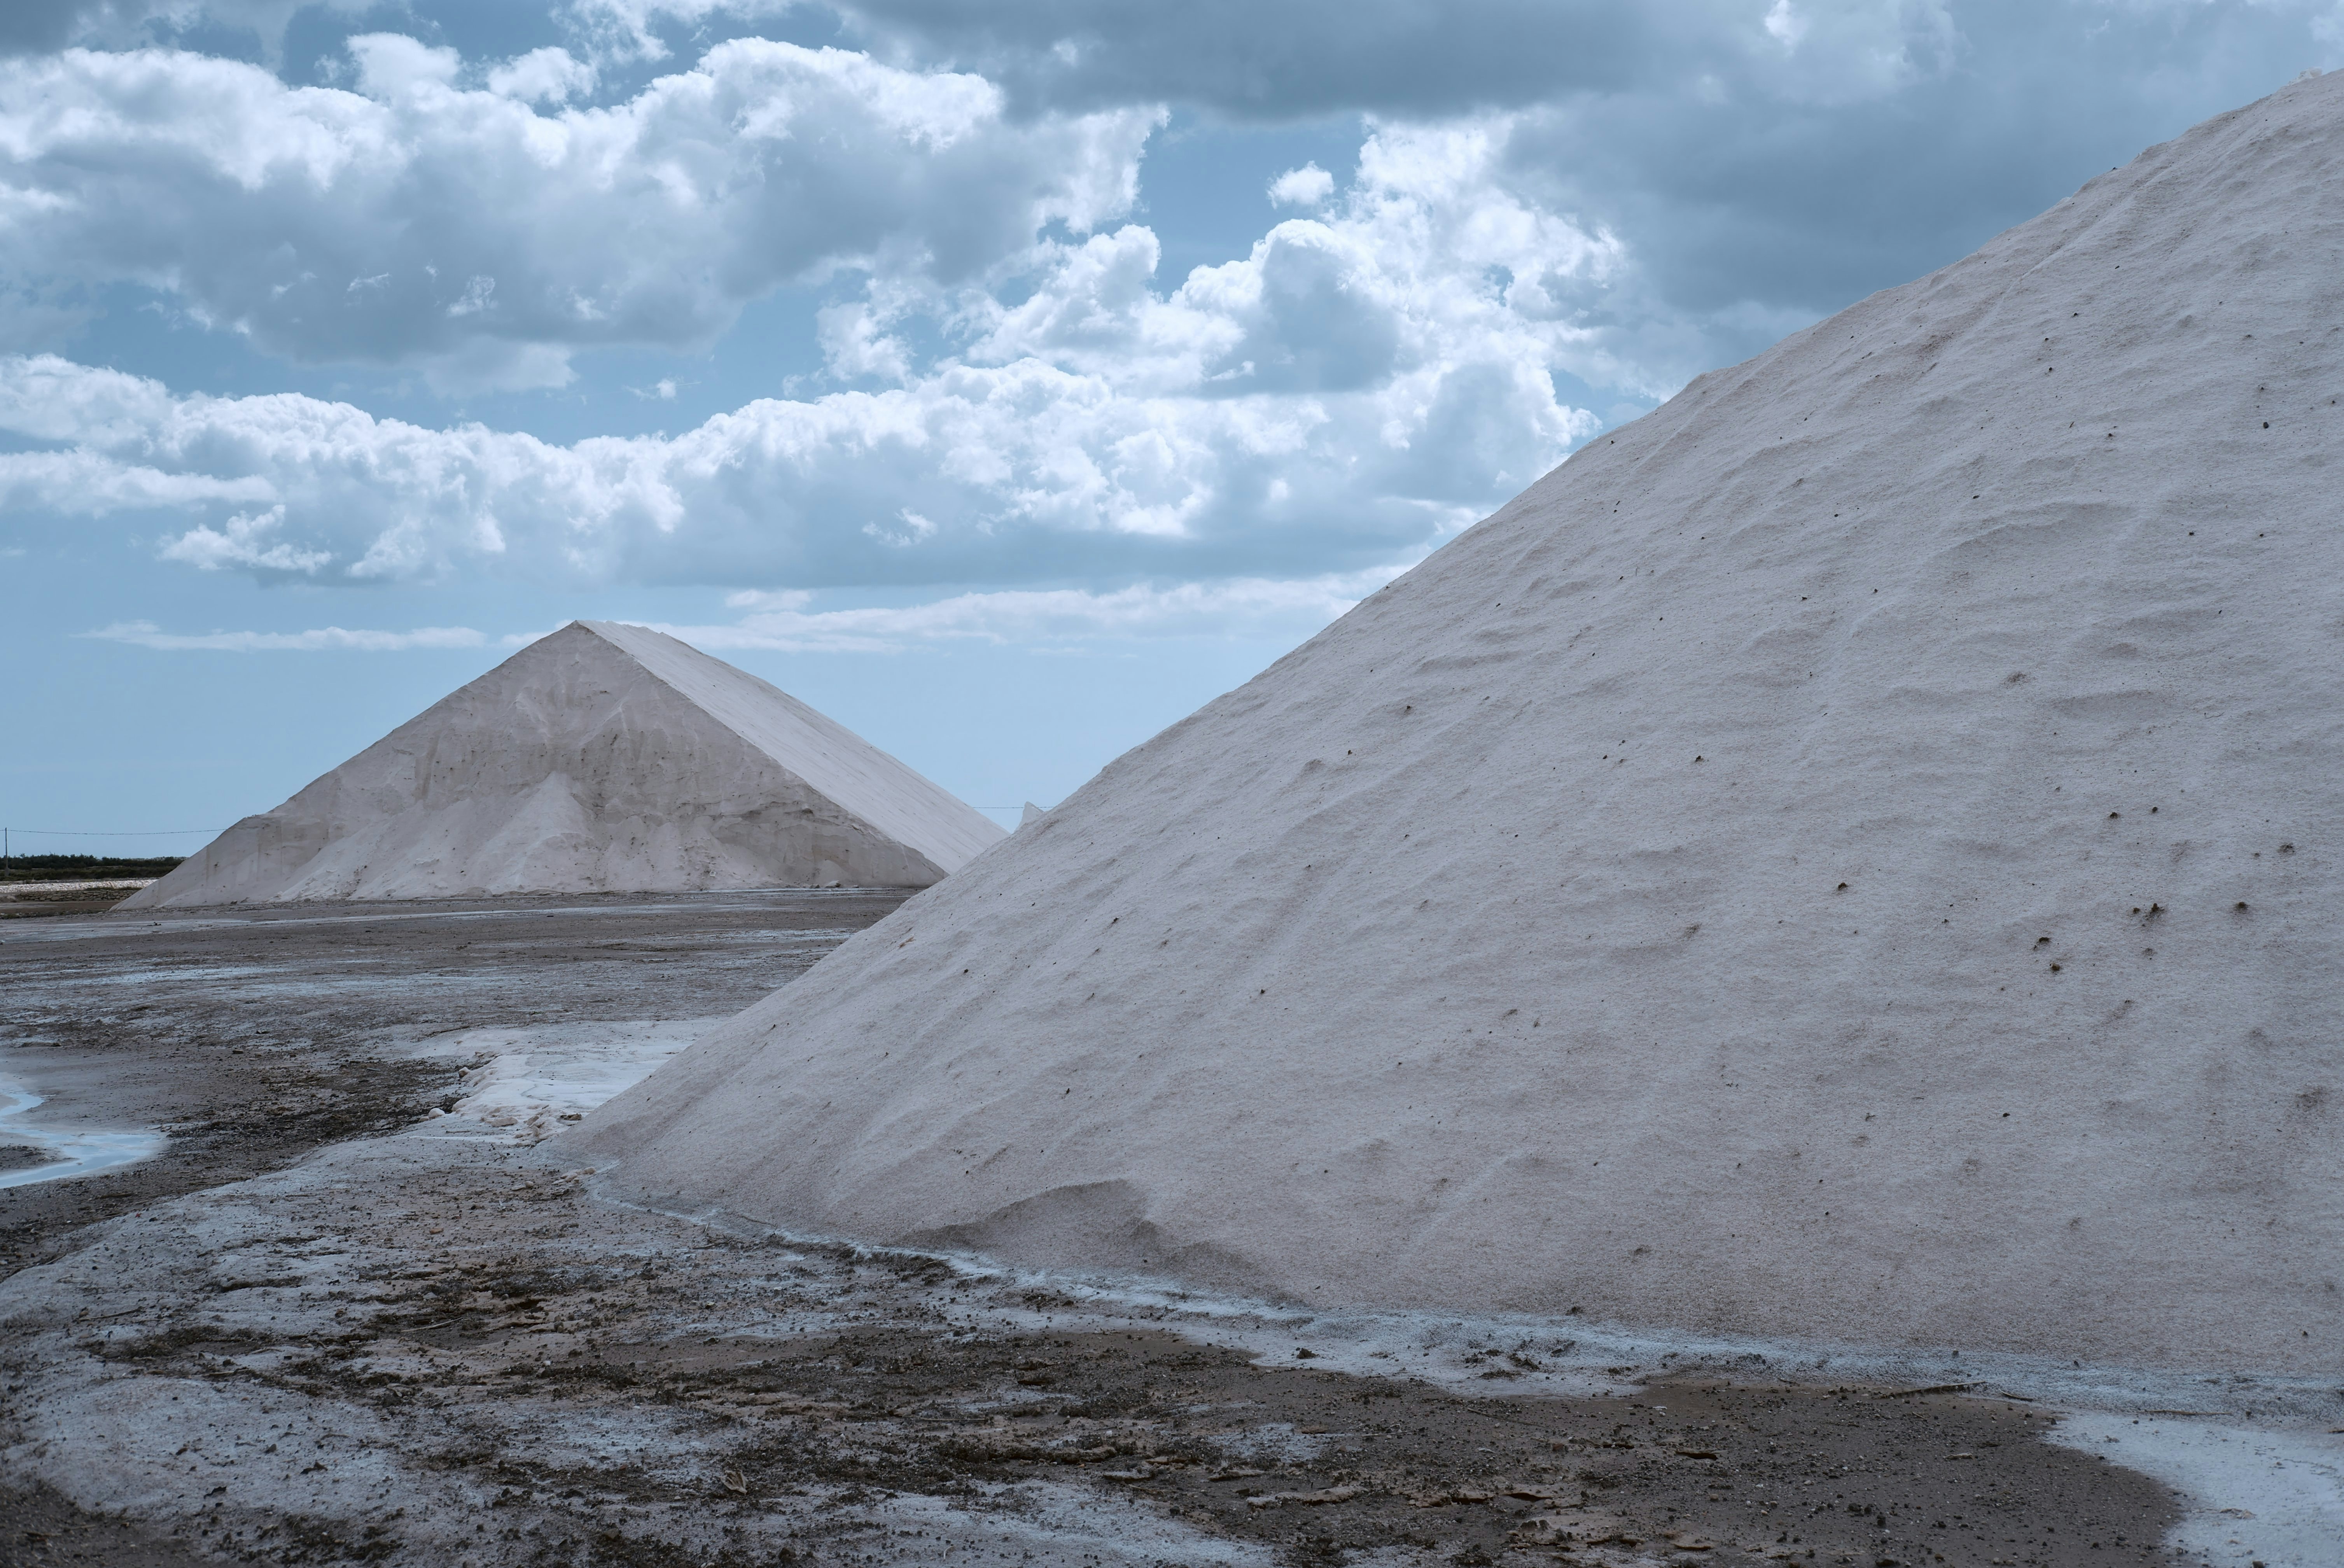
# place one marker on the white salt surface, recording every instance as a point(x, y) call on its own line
point(2270, 1497)
point(603, 758)
point(71, 1150)
point(536, 1081)
point(33, 889)
point(1850, 857)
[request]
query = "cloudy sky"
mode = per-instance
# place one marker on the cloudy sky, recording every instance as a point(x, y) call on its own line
point(1006, 379)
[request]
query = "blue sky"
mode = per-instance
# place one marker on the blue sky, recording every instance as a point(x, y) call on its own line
point(1004, 380)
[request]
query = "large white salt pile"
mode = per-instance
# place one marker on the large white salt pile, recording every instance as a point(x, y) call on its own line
point(1855, 853)
point(602, 758)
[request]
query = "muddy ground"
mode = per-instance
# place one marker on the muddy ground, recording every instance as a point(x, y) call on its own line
point(325, 1326)
point(256, 1037)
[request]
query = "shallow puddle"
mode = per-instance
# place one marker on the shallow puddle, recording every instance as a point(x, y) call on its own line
point(68, 1151)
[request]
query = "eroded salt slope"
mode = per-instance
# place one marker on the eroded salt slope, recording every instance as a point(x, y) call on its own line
point(604, 758)
point(1851, 855)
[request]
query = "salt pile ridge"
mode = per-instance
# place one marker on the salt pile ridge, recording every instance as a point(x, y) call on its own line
point(602, 758)
point(1852, 854)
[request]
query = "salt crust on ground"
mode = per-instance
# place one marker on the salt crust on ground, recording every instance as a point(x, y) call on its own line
point(604, 758)
point(1852, 855)
point(525, 1082)
point(2260, 1496)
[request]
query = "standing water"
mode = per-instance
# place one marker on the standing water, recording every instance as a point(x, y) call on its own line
point(64, 1151)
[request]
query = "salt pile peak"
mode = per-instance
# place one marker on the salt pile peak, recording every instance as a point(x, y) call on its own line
point(604, 757)
point(1851, 857)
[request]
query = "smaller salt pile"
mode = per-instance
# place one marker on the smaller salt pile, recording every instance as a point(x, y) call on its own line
point(604, 758)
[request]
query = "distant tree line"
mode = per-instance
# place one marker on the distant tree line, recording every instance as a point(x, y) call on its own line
point(47, 868)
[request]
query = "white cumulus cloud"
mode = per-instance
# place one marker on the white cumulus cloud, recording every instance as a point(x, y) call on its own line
point(1359, 385)
point(782, 620)
point(1288, 607)
point(147, 634)
point(548, 76)
point(1305, 187)
point(86, 483)
point(413, 220)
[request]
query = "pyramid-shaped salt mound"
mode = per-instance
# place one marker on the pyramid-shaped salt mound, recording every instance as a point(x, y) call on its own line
point(603, 758)
point(1854, 854)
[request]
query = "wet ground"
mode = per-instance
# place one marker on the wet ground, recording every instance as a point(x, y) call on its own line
point(252, 1039)
point(334, 1322)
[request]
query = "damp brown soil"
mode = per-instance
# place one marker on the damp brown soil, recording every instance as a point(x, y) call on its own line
point(1322, 1466)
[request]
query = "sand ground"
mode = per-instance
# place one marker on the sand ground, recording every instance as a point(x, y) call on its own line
point(334, 1322)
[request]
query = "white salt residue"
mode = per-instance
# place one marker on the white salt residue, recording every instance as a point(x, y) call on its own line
point(1530, 1354)
point(2269, 1498)
point(2272, 1493)
point(2266, 1495)
point(1076, 1526)
point(72, 1151)
point(537, 1080)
